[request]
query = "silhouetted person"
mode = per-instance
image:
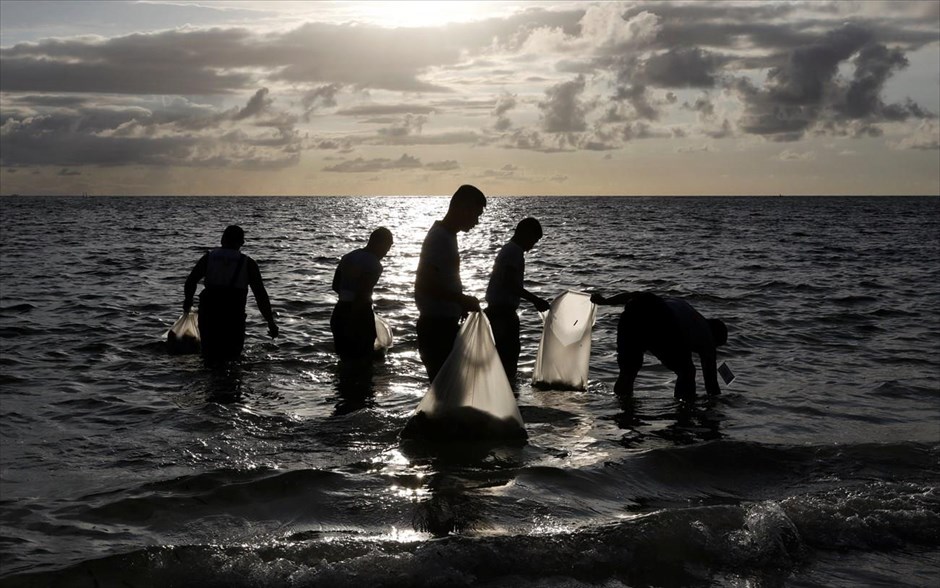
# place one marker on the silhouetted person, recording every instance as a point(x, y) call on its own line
point(228, 275)
point(438, 290)
point(671, 330)
point(505, 290)
point(353, 320)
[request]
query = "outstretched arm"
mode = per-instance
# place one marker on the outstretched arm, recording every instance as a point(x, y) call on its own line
point(261, 296)
point(615, 300)
point(710, 371)
point(506, 278)
point(189, 290)
point(541, 304)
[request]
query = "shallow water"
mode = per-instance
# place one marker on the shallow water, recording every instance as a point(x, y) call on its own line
point(818, 465)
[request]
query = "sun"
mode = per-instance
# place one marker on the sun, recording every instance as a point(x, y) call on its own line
point(412, 13)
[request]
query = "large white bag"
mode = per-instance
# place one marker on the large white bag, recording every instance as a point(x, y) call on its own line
point(470, 398)
point(383, 334)
point(565, 349)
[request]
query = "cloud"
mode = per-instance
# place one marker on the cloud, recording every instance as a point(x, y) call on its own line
point(446, 165)
point(407, 125)
point(504, 104)
point(926, 137)
point(182, 134)
point(360, 165)
point(638, 98)
point(562, 111)
point(256, 105)
point(507, 171)
point(682, 67)
point(789, 155)
point(385, 109)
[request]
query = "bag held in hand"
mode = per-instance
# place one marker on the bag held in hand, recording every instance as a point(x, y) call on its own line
point(565, 349)
point(470, 398)
point(183, 336)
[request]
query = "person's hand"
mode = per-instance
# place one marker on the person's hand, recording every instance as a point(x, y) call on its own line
point(542, 305)
point(187, 306)
point(598, 298)
point(469, 303)
point(273, 330)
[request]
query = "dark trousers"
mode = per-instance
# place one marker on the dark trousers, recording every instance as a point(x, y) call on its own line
point(222, 332)
point(505, 324)
point(436, 337)
point(647, 324)
point(353, 328)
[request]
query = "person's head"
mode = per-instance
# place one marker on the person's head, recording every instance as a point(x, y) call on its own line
point(528, 232)
point(719, 331)
point(466, 206)
point(380, 241)
point(233, 237)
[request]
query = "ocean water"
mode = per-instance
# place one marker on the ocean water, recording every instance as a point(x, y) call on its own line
point(121, 465)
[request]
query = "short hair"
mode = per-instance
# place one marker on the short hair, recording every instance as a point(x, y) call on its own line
point(530, 226)
point(467, 196)
point(719, 331)
point(233, 236)
point(380, 236)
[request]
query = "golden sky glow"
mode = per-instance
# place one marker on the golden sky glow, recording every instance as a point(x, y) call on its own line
point(627, 98)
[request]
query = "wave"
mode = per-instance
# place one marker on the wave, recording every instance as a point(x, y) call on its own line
point(682, 546)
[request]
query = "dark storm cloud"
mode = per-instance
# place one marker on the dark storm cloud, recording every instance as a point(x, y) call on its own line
point(256, 105)
point(873, 65)
point(806, 91)
point(681, 68)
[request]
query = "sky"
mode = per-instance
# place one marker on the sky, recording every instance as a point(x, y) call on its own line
point(518, 98)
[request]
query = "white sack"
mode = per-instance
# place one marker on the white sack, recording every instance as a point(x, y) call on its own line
point(183, 336)
point(565, 349)
point(471, 397)
point(383, 334)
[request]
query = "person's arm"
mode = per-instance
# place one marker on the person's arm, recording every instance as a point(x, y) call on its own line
point(261, 296)
point(427, 283)
point(508, 279)
point(615, 300)
point(189, 290)
point(336, 279)
point(541, 304)
point(709, 362)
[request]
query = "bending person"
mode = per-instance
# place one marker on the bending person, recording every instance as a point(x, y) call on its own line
point(505, 290)
point(228, 276)
point(671, 330)
point(353, 320)
point(438, 289)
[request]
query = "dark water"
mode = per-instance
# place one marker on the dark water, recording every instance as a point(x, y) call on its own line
point(122, 465)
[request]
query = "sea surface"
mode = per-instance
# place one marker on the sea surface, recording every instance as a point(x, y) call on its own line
point(819, 465)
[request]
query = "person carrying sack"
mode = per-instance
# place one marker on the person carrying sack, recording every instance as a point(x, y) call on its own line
point(228, 275)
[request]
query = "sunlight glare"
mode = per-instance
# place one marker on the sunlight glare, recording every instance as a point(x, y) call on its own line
point(410, 13)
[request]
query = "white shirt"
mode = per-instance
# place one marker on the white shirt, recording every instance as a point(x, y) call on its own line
point(358, 270)
point(439, 251)
point(507, 276)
